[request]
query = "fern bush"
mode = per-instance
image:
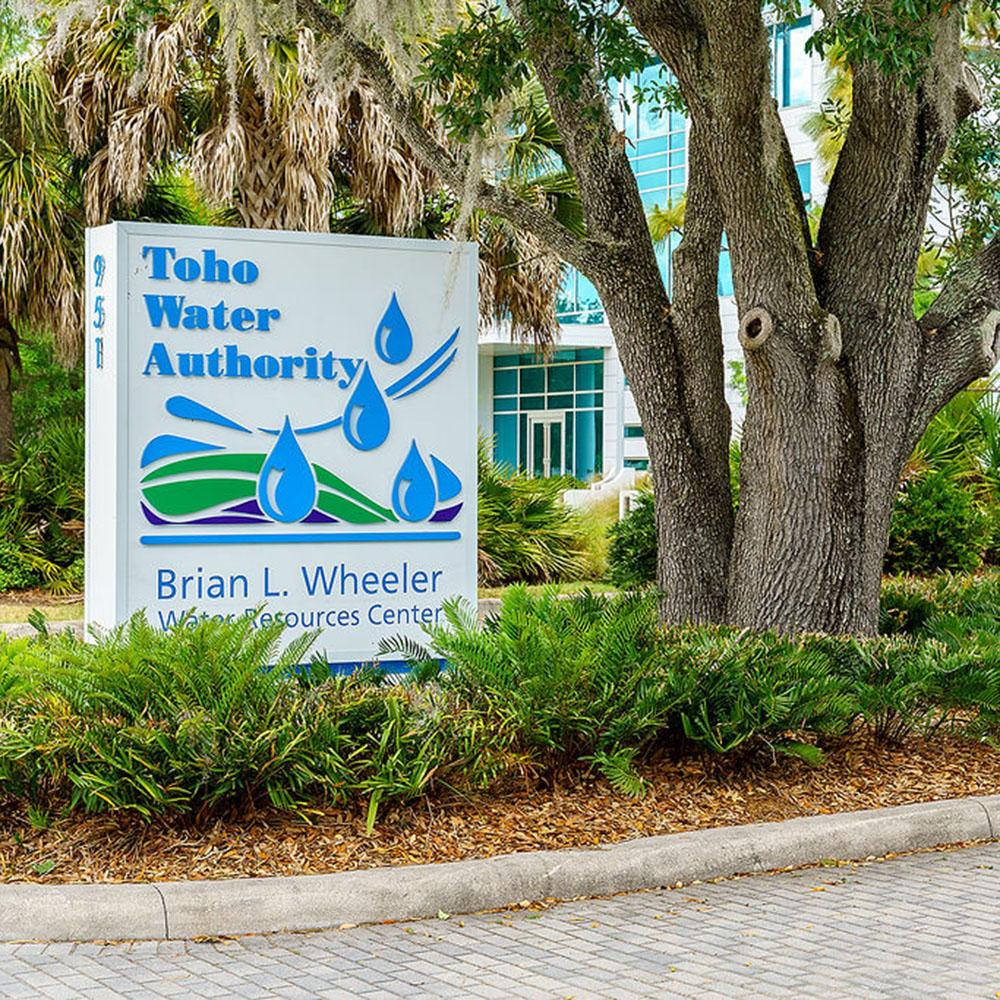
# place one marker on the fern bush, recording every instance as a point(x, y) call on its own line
point(210, 718)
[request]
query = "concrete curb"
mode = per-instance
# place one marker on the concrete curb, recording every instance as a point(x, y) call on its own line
point(166, 910)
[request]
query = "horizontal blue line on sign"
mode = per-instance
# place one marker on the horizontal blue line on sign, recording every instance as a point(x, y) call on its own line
point(321, 537)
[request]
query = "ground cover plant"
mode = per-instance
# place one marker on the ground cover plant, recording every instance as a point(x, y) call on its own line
point(194, 725)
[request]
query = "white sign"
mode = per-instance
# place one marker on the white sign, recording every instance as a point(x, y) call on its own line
point(280, 424)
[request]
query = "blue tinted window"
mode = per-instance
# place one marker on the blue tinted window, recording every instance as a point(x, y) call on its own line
point(532, 380)
point(504, 382)
point(791, 69)
point(560, 378)
point(510, 413)
point(654, 179)
point(588, 301)
point(589, 444)
point(725, 283)
point(505, 440)
point(589, 377)
point(804, 170)
point(634, 431)
point(646, 147)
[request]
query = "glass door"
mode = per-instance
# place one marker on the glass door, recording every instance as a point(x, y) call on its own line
point(546, 445)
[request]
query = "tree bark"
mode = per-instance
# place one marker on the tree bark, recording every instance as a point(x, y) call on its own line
point(8, 362)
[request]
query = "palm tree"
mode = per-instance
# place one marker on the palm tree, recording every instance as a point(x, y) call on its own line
point(275, 143)
point(40, 223)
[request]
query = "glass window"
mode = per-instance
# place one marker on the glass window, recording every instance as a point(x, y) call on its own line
point(799, 66)
point(505, 360)
point(791, 68)
point(633, 431)
point(677, 140)
point(725, 283)
point(504, 404)
point(532, 380)
point(639, 464)
point(504, 382)
point(677, 158)
point(656, 146)
point(589, 376)
point(589, 444)
point(532, 402)
point(804, 170)
point(505, 440)
point(657, 180)
point(561, 401)
point(566, 354)
point(559, 378)
point(589, 399)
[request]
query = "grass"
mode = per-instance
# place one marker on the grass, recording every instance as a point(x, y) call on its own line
point(15, 607)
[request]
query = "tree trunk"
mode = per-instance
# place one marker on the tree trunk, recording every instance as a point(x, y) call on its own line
point(690, 473)
point(8, 362)
point(797, 546)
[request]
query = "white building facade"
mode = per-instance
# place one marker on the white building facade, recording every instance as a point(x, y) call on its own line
point(573, 413)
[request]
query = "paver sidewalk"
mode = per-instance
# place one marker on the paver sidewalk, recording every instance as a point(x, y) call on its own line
point(927, 925)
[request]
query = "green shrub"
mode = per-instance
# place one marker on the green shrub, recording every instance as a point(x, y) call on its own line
point(526, 533)
point(45, 391)
point(209, 718)
point(937, 524)
point(632, 553)
point(41, 509)
point(565, 678)
point(740, 688)
point(195, 722)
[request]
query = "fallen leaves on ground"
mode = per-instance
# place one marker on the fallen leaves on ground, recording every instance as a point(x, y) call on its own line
point(692, 793)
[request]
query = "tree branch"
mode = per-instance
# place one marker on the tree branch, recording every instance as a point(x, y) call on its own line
point(961, 334)
point(876, 207)
point(404, 111)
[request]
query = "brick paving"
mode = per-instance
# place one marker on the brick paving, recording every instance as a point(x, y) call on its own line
point(927, 925)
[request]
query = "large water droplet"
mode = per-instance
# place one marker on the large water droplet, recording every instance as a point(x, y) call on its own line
point(286, 489)
point(366, 417)
point(393, 337)
point(413, 495)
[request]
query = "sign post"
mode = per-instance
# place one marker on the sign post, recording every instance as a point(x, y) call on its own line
point(280, 424)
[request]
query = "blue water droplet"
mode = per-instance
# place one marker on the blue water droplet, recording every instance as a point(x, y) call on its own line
point(393, 336)
point(448, 484)
point(366, 417)
point(286, 489)
point(413, 495)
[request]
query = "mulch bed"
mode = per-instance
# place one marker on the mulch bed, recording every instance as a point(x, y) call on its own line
point(688, 794)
